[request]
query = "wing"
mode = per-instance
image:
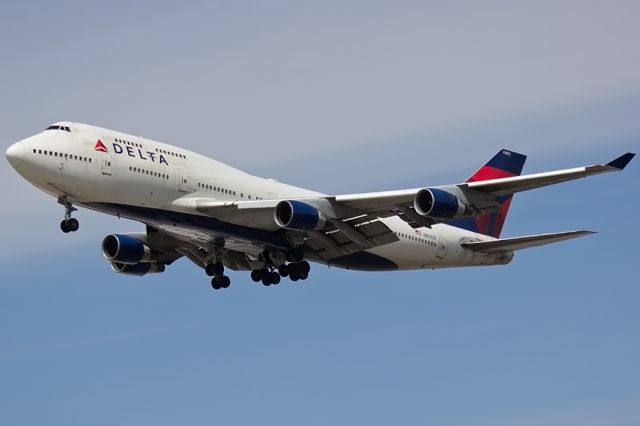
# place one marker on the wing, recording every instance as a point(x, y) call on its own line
point(481, 195)
point(333, 226)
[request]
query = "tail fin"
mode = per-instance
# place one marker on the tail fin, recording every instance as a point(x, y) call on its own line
point(504, 164)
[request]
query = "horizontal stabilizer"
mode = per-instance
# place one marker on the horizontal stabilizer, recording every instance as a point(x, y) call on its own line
point(519, 243)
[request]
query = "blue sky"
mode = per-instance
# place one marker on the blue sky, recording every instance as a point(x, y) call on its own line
point(340, 97)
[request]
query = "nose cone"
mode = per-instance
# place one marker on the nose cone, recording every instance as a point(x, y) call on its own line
point(15, 154)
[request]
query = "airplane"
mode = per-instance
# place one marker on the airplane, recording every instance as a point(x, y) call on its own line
point(222, 218)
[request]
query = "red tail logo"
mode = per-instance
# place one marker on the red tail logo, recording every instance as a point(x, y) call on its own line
point(100, 146)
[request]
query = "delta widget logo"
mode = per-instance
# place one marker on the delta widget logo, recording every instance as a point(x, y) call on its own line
point(100, 146)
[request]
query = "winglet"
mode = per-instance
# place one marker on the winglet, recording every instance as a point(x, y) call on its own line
point(622, 161)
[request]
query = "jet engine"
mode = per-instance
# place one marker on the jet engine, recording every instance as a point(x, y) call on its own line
point(439, 204)
point(125, 249)
point(298, 216)
point(138, 269)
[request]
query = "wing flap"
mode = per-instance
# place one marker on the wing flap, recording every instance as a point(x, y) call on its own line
point(519, 243)
point(337, 243)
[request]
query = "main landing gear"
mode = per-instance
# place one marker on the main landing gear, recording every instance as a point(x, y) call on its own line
point(219, 280)
point(69, 224)
point(266, 275)
point(271, 276)
point(292, 265)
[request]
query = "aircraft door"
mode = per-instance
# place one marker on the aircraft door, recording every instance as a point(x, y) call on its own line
point(106, 164)
point(442, 248)
point(182, 181)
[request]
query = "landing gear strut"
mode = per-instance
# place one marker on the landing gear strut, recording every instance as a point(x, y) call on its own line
point(69, 224)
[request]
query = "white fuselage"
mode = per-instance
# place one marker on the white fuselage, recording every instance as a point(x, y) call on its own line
point(137, 177)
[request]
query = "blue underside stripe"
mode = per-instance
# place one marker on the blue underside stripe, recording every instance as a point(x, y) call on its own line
point(364, 261)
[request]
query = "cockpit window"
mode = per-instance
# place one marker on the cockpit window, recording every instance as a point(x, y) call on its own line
point(57, 127)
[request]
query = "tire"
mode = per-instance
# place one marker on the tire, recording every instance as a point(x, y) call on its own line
point(225, 281)
point(215, 283)
point(275, 278)
point(73, 225)
point(283, 270)
point(209, 270)
point(255, 275)
point(303, 275)
point(304, 267)
point(64, 227)
point(266, 281)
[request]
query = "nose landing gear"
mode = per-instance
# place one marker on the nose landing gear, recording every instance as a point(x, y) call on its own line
point(69, 224)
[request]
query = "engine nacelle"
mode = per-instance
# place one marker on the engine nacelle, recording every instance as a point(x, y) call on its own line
point(439, 204)
point(298, 216)
point(125, 249)
point(138, 269)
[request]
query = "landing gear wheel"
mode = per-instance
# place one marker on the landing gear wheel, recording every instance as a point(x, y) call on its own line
point(255, 275)
point(266, 281)
point(264, 272)
point(73, 224)
point(215, 283)
point(225, 281)
point(304, 267)
point(64, 227)
point(209, 270)
point(283, 270)
point(293, 275)
point(303, 275)
point(274, 278)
